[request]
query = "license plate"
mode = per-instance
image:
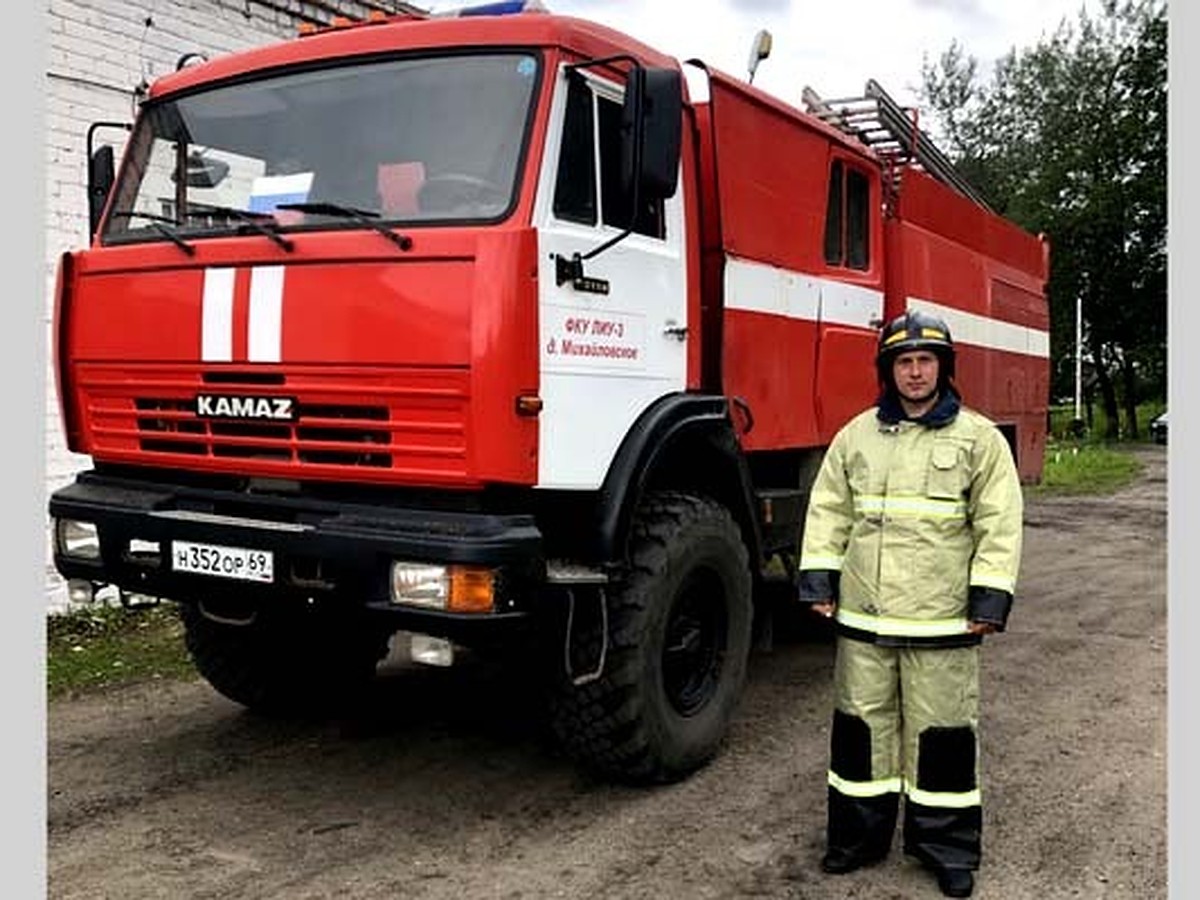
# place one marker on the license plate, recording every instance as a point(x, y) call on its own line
point(238, 563)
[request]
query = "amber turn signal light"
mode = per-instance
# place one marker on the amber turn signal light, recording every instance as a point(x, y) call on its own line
point(471, 590)
point(528, 404)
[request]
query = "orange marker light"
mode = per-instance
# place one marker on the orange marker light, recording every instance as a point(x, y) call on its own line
point(528, 404)
point(471, 590)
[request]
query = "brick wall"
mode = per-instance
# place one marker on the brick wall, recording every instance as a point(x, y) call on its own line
point(97, 54)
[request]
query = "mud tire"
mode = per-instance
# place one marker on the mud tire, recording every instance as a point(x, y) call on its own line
point(293, 663)
point(678, 640)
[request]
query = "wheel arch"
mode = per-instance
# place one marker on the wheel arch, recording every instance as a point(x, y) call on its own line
point(682, 442)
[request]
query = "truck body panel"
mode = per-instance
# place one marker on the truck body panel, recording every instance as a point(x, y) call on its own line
point(798, 333)
point(986, 279)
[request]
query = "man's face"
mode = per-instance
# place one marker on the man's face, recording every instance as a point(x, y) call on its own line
point(916, 375)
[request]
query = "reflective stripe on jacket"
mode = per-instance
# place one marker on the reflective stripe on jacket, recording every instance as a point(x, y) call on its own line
point(914, 529)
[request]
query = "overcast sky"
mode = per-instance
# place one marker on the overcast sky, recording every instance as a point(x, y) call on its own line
point(834, 47)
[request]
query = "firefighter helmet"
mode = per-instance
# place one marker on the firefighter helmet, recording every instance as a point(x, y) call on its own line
point(915, 330)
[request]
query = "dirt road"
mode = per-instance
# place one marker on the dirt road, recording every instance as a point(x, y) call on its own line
point(444, 787)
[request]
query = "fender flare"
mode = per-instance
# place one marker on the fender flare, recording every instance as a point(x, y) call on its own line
point(661, 424)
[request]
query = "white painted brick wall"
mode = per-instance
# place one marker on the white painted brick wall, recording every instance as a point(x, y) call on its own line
point(97, 52)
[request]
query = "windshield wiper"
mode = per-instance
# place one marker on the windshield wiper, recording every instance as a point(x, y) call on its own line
point(156, 222)
point(256, 220)
point(365, 217)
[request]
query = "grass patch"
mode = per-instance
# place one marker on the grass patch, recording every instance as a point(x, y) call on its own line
point(99, 647)
point(1061, 418)
point(1086, 469)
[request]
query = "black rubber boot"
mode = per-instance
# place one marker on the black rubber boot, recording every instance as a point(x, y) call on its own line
point(947, 842)
point(839, 862)
point(956, 882)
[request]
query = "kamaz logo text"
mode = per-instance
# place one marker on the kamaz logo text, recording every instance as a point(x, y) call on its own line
point(216, 407)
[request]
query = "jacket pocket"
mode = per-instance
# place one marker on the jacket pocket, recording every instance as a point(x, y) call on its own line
point(947, 478)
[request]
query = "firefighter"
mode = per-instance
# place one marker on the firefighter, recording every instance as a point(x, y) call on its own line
point(911, 544)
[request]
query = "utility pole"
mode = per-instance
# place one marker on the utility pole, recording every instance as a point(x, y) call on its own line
point(1077, 424)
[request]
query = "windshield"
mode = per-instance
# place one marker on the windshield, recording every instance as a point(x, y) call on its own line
point(413, 140)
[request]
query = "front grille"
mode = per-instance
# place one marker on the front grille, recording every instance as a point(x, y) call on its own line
point(407, 423)
point(341, 424)
point(338, 435)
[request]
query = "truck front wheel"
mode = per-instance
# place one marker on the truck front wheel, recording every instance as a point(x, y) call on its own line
point(283, 662)
point(678, 639)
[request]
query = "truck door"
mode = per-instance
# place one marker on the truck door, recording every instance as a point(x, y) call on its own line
point(616, 341)
point(852, 298)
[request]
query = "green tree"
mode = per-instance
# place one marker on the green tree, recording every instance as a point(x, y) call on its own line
point(1069, 138)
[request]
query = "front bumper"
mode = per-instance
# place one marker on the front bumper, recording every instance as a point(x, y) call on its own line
point(325, 552)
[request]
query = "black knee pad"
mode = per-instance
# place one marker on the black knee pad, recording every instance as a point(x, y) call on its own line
point(850, 747)
point(946, 759)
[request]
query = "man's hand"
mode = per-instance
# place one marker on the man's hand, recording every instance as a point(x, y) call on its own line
point(981, 628)
point(826, 608)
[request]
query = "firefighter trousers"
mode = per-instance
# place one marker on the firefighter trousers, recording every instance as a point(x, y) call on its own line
point(905, 722)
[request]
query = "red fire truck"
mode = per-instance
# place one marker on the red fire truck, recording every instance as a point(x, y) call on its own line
point(508, 333)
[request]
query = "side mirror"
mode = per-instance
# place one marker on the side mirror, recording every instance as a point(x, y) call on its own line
point(651, 120)
point(101, 175)
point(101, 172)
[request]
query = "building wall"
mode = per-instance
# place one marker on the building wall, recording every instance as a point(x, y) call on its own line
point(98, 54)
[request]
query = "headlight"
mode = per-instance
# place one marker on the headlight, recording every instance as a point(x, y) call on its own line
point(453, 588)
point(419, 584)
point(77, 539)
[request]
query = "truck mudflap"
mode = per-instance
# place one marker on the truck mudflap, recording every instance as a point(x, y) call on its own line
point(321, 551)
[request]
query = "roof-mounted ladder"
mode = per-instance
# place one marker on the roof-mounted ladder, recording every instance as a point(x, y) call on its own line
point(879, 122)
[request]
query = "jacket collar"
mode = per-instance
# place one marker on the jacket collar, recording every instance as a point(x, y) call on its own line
point(942, 413)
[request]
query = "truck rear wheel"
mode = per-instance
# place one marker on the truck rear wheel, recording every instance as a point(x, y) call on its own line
point(283, 662)
point(678, 639)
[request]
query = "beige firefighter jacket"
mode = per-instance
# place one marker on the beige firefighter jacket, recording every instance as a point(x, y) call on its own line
point(914, 530)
